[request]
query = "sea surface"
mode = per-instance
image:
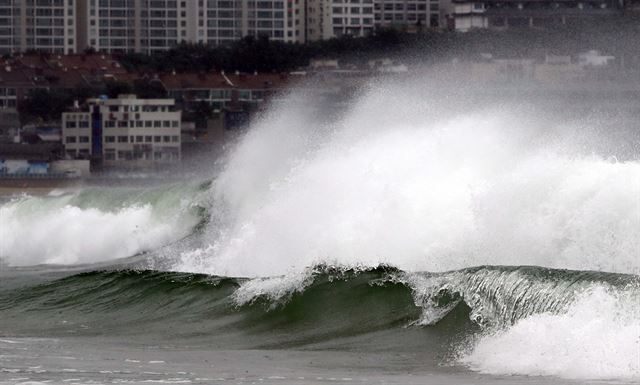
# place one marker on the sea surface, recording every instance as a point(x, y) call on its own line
point(409, 239)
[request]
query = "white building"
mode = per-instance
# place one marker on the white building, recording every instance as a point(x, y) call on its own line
point(45, 25)
point(126, 131)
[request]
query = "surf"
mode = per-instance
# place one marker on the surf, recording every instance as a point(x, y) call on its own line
point(467, 229)
point(97, 224)
point(486, 317)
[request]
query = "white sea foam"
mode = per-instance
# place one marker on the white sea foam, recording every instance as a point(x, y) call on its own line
point(403, 180)
point(275, 290)
point(598, 338)
point(68, 230)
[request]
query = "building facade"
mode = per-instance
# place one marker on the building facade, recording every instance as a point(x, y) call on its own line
point(124, 132)
point(411, 15)
point(157, 25)
point(326, 19)
point(503, 14)
point(44, 25)
point(134, 25)
point(147, 26)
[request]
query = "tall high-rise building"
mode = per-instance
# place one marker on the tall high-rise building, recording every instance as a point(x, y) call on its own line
point(407, 14)
point(333, 18)
point(135, 25)
point(157, 25)
point(44, 25)
point(504, 14)
point(225, 21)
point(147, 26)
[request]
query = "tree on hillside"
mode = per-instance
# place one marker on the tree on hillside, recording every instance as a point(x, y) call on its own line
point(42, 105)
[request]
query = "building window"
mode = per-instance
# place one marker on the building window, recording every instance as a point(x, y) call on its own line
point(123, 139)
point(71, 139)
point(84, 139)
point(109, 139)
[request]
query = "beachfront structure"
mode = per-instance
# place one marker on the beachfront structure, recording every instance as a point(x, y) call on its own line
point(126, 132)
point(502, 14)
point(44, 25)
point(221, 91)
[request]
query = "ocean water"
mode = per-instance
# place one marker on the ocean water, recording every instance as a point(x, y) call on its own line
point(414, 237)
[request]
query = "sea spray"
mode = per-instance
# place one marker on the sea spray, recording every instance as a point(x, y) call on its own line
point(422, 183)
point(96, 225)
point(596, 337)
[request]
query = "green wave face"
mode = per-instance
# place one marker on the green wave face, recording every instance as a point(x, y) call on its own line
point(328, 307)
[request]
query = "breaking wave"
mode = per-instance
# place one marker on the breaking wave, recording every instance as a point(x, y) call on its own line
point(96, 225)
point(500, 320)
point(401, 177)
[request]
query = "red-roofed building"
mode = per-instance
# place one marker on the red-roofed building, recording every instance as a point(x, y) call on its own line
point(221, 90)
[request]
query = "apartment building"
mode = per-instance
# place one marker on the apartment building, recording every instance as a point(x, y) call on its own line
point(407, 14)
point(156, 25)
point(502, 14)
point(44, 25)
point(134, 25)
point(334, 18)
point(124, 132)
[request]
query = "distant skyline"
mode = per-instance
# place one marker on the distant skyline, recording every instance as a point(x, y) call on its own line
point(147, 26)
point(68, 26)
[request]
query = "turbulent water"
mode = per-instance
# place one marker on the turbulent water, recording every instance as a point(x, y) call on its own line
point(463, 235)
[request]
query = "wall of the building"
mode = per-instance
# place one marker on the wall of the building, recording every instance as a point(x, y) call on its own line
point(47, 27)
point(133, 132)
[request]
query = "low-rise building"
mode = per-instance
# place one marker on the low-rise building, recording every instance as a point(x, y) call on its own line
point(124, 132)
point(220, 91)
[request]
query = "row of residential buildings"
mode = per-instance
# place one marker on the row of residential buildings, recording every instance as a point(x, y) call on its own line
point(70, 26)
point(124, 132)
